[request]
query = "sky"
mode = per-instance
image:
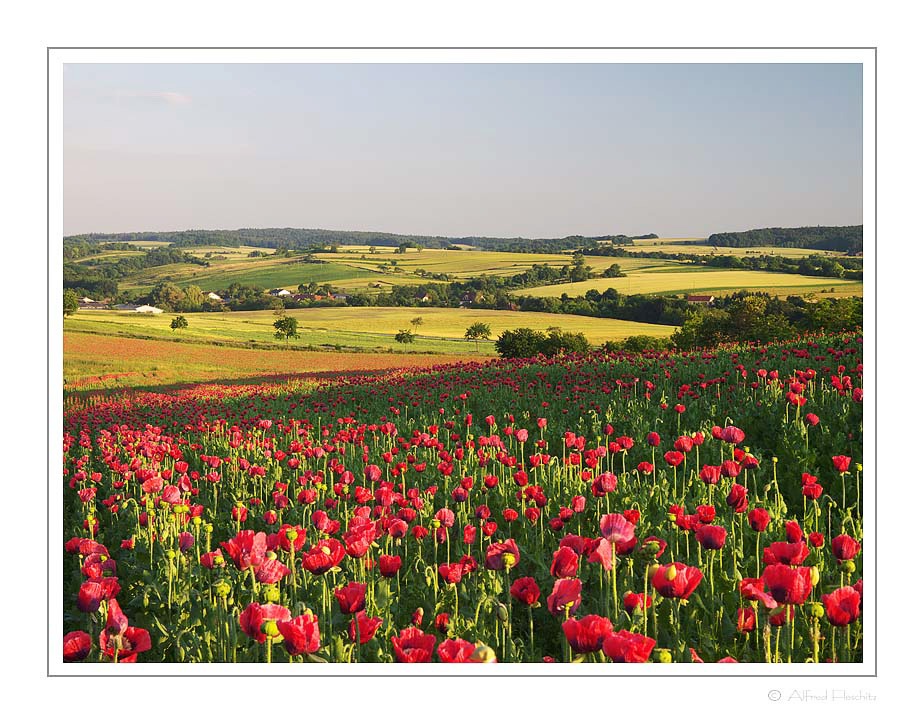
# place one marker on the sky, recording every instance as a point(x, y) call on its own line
point(500, 150)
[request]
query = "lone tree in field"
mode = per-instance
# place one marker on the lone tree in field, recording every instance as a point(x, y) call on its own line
point(479, 330)
point(417, 321)
point(286, 329)
point(179, 323)
point(71, 302)
point(404, 336)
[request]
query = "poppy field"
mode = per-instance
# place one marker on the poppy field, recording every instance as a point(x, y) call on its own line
point(669, 508)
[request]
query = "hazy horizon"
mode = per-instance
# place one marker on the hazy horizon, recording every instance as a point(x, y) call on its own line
point(462, 150)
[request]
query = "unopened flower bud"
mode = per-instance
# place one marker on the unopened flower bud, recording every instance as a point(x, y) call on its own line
point(848, 566)
point(197, 520)
point(664, 656)
point(271, 594)
point(502, 614)
point(671, 573)
point(814, 575)
point(270, 629)
point(816, 610)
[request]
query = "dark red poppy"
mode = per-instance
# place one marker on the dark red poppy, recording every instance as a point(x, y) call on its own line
point(737, 498)
point(254, 617)
point(565, 595)
point(586, 635)
point(790, 554)
point(351, 598)
point(301, 634)
point(246, 548)
point(793, 531)
point(674, 458)
point(412, 645)
point(745, 619)
point(129, 644)
point(368, 627)
point(710, 474)
point(637, 602)
point(322, 557)
point(676, 580)
point(845, 548)
point(495, 556)
point(788, 584)
point(842, 606)
point(525, 590)
point(627, 647)
point(389, 565)
point(77, 645)
point(711, 537)
point(758, 519)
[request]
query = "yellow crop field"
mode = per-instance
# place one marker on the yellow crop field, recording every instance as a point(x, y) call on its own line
point(701, 282)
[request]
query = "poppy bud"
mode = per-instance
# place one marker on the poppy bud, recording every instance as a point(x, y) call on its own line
point(270, 629)
point(848, 566)
point(223, 589)
point(814, 575)
point(664, 656)
point(435, 523)
point(816, 610)
point(170, 554)
point(671, 573)
point(197, 520)
point(209, 528)
point(271, 593)
point(502, 614)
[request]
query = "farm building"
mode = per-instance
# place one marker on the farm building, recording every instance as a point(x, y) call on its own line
point(280, 292)
point(215, 297)
point(700, 299)
point(86, 303)
point(147, 309)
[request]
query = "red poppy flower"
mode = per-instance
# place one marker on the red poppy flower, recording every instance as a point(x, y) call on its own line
point(710, 474)
point(525, 590)
point(412, 645)
point(77, 645)
point(745, 619)
point(271, 571)
point(389, 565)
point(616, 528)
point(132, 641)
point(352, 598)
point(816, 539)
point(455, 650)
point(637, 602)
point(788, 584)
point(753, 589)
point(564, 595)
point(653, 439)
point(254, 617)
point(676, 580)
point(246, 548)
point(790, 554)
point(758, 519)
point(793, 531)
point(841, 463)
point(494, 557)
point(368, 627)
point(711, 537)
point(586, 635)
point(451, 572)
point(845, 548)
point(627, 647)
point(674, 458)
point(301, 634)
point(737, 498)
point(842, 606)
point(322, 557)
point(565, 563)
point(732, 435)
